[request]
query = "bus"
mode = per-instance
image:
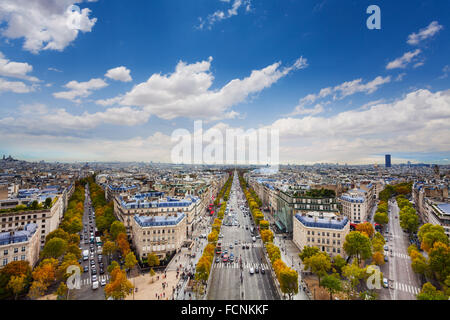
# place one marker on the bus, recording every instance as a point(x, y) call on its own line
point(219, 247)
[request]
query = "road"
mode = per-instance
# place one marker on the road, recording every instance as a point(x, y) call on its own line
point(225, 281)
point(406, 284)
point(86, 292)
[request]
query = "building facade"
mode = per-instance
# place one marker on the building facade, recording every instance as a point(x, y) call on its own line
point(21, 245)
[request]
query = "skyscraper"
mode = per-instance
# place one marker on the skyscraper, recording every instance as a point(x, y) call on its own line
point(387, 160)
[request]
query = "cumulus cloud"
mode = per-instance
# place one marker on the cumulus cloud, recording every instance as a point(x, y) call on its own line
point(340, 91)
point(219, 15)
point(17, 70)
point(14, 86)
point(119, 74)
point(44, 24)
point(404, 60)
point(187, 92)
point(425, 33)
point(80, 89)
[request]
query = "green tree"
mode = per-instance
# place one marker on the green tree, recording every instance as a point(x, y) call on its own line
point(54, 248)
point(308, 252)
point(117, 227)
point(153, 260)
point(109, 247)
point(358, 244)
point(48, 203)
point(429, 292)
point(339, 263)
point(112, 266)
point(381, 218)
point(320, 264)
point(439, 259)
point(353, 273)
point(332, 284)
point(429, 234)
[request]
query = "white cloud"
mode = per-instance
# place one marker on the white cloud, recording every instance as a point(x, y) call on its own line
point(301, 110)
point(341, 91)
point(416, 123)
point(119, 74)
point(14, 86)
point(219, 15)
point(54, 69)
point(17, 70)
point(187, 93)
point(80, 89)
point(400, 76)
point(425, 33)
point(404, 60)
point(44, 24)
point(445, 72)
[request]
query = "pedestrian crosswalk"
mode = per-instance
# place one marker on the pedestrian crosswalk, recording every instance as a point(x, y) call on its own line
point(235, 265)
point(88, 281)
point(406, 288)
point(401, 255)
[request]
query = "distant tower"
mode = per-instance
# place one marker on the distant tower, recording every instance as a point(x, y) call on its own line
point(387, 160)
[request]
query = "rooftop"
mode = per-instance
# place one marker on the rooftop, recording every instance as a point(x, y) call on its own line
point(18, 236)
point(327, 222)
point(154, 221)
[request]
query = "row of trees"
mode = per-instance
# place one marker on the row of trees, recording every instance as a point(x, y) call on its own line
point(225, 191)
point(389, 190)
point(409, 220)
point(104, 211)
point(436, 266)
point(287, 277)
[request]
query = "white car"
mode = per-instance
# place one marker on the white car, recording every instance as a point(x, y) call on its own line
point(94, 285)
point(252, 271)
point(103, 282)
point(385, 283)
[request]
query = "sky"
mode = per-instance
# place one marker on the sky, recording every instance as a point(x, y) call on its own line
point(112, 80)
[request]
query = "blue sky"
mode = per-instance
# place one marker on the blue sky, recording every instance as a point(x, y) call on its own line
point(241, 64)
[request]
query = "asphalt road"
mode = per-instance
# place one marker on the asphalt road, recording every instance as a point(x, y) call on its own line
point(405, 283)
point(225, 282)
point(86, 292)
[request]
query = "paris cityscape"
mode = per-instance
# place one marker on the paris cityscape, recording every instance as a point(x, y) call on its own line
point(224, 150)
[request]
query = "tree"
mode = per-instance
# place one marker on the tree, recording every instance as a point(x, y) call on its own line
point(358, 244)
point(152, 273)
point(153, 260)
point(130, 260)
point(273, 251)
point(378, 258)
point(109, 248)
point(116, 228)
point(332, 284)
point(409, 220)
point(16, 284)
point(339, 263)
point(263, 224)
point(367, 228)
point(429, 292)
point(119, 286)
point(62, 291)
point(320, 264)
point(353, 273)
point(112, 266)
point(289, 281)
point(58, 233)
point(48, 203)
point(203, 269)
point(54, 248)
point(213, 236)
point(308, 252)
point(381, 218)
point(266, 235)
point(429, 234)
point(123, 244)
point(439, 259)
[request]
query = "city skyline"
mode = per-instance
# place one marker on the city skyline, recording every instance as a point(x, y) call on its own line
point(115, 84)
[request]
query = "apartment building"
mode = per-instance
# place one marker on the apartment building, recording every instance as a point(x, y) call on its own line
point(23, 245)
point(355, 205)
point(161, 235)
point(324, 230)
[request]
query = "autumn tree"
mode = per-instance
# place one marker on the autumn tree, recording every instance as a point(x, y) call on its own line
point(203, 268)
point(153, 260)
point(130, 260)
point(429, 292)
point(378, 258)
point(62, 292)
point(429, 234)
point(16, 284)
point(213, 236)
point(366, 228)
point(263, 224)
point(381, 218)
point(119, 287)
point(123, 244)
point(439, 260)
point(308, 252)
point(116, 228)
point(288, 279)
point(266, 235)
point(54, 248)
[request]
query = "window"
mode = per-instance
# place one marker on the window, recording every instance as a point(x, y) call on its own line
point(16, 258)
point(5, 252)
point(5, 262)
point(16, 250)
point(22, 257)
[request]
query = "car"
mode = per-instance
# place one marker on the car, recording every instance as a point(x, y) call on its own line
point(217, 260)
point(386, 248)
point(247, 246)
point(385, 283)
point(86, 241)
point(85, 269)
point(103, 282)
point(225, 251)
point(243, 246)
point(92, 262)
point(101, 265)
point(385, 258)
point(93, 271)
point(94, 278)
point(102, 271)
point(262, 270)
point(94, 285)
point(254, 239)
point(231, 258)
point(256, 270)
point(231, 246)
point(252, 271)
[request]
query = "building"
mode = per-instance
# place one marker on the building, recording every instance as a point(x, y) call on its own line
point(355, 205)
point(324, 230)
point(21, 245)
point(292, 202)
point(387, 161)
point(161, 235)
point(155, 204)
